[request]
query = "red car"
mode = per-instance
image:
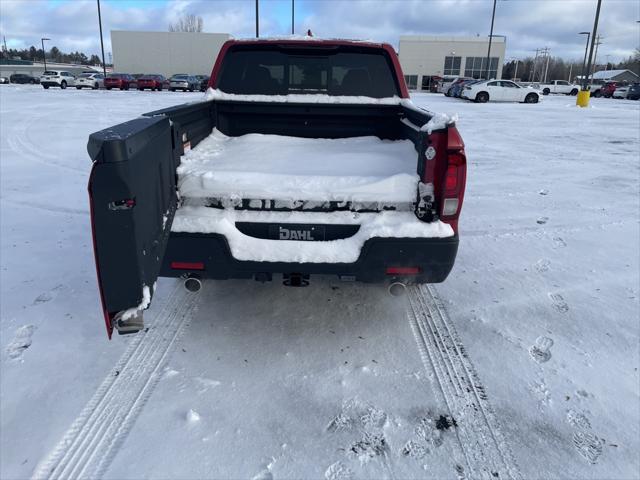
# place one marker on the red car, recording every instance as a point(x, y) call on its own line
point(119, 80)
point(153, 82)
point(608, 88)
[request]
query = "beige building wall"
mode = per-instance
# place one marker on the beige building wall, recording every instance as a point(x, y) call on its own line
point(423, 55)
point(166, 53)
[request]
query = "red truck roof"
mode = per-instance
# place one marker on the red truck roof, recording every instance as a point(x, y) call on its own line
point(310, 42)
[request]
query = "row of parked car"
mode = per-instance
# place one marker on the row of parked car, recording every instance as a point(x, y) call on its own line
point(508, 91)
point(483, 91)
point(122, 81)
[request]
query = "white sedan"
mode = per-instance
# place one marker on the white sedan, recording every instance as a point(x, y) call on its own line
point(90, 80)
point(500, 91)
point(621, 92)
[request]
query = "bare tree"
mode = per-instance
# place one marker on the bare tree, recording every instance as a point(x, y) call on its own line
point(188, 23)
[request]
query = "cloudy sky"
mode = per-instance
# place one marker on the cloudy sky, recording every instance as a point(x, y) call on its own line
point(528, 24)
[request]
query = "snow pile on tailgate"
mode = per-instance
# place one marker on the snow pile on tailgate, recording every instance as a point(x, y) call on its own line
point(198, 219)
point(275, 167)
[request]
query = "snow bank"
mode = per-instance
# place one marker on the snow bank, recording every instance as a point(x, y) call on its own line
point(274, 167)
point(243, 247)
point(216, 94)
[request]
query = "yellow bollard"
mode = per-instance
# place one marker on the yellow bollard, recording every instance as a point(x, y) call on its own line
point(583, 98)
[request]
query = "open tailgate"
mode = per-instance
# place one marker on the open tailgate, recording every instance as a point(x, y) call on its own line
point(132, 190)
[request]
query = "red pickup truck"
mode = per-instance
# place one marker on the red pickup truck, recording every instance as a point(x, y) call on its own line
point(305, 157)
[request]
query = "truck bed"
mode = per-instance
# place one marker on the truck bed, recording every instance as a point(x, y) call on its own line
point(285, 169)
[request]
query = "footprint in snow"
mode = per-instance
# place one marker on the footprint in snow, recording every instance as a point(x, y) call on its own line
point(578, 420)
point(559, 242)
point(542, 220)
point(338, 471)
point(588, 445)
point(542, 265)
point(558, 302)
point(21, 341)
point(46, 296)
point(541, 350)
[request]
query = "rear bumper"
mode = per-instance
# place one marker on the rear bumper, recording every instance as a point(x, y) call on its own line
point(50, 84)
point(434, 256)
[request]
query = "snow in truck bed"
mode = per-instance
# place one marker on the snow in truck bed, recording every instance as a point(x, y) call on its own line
point(274, 167)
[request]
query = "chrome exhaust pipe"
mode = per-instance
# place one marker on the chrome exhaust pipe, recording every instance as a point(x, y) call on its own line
point(397, 289)
point(193, 284)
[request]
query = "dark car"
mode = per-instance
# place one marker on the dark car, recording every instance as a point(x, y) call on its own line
point(608, 88)
point(23, 78)
point(456, 88)
point(204, 82)
point(152, 82)
point(184, 82)
point(456, 82)
point(123, 81)
point(634, 92)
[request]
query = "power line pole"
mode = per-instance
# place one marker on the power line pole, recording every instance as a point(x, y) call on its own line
point(595, 55)
point(546, 69)
point(593, 41)
point(293, 17)
point(104, 67)
point(493, 16)
point(532, 76)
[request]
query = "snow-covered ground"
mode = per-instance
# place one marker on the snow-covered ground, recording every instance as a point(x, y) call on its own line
point(336, 380)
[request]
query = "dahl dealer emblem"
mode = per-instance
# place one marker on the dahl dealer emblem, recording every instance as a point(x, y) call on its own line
point(290, 234)
point(430, 152)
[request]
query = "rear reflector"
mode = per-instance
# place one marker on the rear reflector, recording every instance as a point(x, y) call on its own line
point(402, 270)
point(450, 206)
point(187, 265)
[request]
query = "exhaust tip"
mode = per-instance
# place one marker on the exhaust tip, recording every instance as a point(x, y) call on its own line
point(193, 284)
point(397, 289)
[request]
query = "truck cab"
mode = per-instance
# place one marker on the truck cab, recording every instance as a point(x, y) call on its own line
point(559, 86)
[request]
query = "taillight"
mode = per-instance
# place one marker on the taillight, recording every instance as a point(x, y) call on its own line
point(454, 179)
point(451, 182)
point(402, 270)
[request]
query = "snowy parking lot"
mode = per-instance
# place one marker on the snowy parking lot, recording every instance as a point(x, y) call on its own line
point(523, 364)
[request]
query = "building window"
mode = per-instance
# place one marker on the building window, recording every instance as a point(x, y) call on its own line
point(475, 67)
point(427, 83)
point(452, 65)
point(411, 81)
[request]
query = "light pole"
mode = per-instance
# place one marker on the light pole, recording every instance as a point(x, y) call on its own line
point(104, 67)
point(44, 55)
point(257, 27)
point(583, 96)
point(584, 62)
point(493, 16)
point(293, 16)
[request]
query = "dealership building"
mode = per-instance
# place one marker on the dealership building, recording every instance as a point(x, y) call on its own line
point(165, 53)
point(426, 59)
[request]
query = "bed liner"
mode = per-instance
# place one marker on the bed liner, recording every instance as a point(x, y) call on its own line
point(276, 167)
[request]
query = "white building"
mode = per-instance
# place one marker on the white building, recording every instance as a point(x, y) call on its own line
point(165, 53)
point(425, 59)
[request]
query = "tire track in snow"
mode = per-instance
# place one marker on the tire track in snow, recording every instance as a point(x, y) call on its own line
point(93, 439)
point(486, 453)
point(18, 142)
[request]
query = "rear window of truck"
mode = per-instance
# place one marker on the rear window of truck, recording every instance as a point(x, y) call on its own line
point(332, 71)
